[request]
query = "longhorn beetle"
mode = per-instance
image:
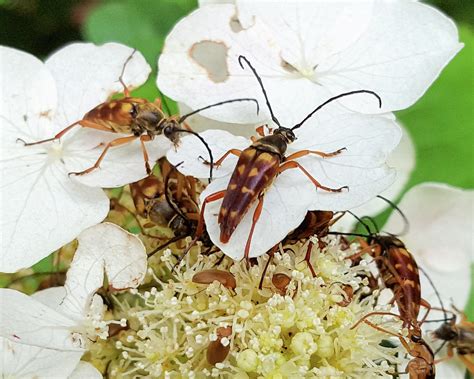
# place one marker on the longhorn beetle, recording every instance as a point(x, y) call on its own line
point(140, 118)
point(258, 166)
point(400, 273)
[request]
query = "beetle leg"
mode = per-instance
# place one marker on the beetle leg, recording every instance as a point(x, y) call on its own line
point(209, 199)
point(217, 163)
point(363, 319)
point(293, 164)
point(256, 216)
point(270, 257)
point(450, 355)
point(427, 305)
point(83, 123)
point(200, 226)
point(145, 138)
point(115, 142)
point(307, 258)
point(302, 153)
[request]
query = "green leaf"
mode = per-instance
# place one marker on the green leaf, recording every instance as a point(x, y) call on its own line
point(143, 25)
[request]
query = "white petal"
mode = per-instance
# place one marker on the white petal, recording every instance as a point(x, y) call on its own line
point(401, 159)
point(183, 77)
point(103, 249)
point(405, 40)
point(318, 49)
point(39, 326)
point(219, 141)
point(88, 75)
point(43, 209)
point(24, 361)
point(28, 97)
point(85, 370)
point(200, 123)
point(440, 237)
point(284, 207)
point(121, 165)
point(368, 140)
point(453, 368)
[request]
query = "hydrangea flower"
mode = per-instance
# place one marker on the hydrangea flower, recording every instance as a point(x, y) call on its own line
point(318, 48)
point(43, 207)
point(299, 329)
point(60, 323)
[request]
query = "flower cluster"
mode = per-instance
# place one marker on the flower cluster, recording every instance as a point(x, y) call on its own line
point(282, 323)
point(326, 77)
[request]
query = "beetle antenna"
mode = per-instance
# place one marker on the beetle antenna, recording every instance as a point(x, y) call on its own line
point(436, 292)
point(259, 79)
point(335, 98)
point(184, 117)
point(350, 234)
point(406, 226)
point(125, 88)
point(211, 157)
point(374, 224)
point(366, 227)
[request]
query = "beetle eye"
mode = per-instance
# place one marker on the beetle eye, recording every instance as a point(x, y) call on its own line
point(134, 111)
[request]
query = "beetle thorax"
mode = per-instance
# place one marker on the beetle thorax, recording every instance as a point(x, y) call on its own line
point(148, 119)
point(277, 142)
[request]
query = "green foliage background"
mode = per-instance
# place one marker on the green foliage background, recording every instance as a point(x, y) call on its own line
point(441, 123)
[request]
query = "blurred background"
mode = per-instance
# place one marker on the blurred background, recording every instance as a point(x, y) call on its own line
point(441, 123)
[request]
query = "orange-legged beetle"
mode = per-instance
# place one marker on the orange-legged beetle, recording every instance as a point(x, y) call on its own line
point(258, 166)
point(138, 117)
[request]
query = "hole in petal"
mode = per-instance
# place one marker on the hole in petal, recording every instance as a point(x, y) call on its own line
point(212, 57)
point(235, 24)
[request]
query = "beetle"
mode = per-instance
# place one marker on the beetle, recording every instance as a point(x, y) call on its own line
point(137, 117)
point(171, 200)
point(399, 272)
point(258, 166)
point(315, 223)
point(457, 336)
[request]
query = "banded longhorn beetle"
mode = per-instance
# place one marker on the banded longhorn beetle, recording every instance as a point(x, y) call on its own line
point(258, 166)
point(400, 273)
point(138, 117)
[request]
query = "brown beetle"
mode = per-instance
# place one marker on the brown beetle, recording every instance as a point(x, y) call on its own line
point(315, 223)
point(138, 117)
point(258, 166)
point(400, 273)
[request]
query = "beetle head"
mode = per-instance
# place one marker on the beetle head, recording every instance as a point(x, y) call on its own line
point(286, 133)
